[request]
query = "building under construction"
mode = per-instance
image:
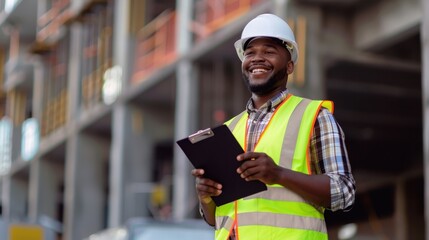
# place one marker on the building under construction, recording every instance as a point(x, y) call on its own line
point(95, 93)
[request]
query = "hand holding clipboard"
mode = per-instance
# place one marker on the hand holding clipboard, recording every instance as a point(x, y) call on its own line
point(215, 150)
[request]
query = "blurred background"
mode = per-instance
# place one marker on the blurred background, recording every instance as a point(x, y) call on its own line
point(94, 94)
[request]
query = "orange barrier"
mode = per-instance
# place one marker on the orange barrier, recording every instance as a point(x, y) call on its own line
point(213, 15)
point(155, 46)
point(52, 19)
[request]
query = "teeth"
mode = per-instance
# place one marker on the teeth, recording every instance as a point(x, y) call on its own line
point(259, 70)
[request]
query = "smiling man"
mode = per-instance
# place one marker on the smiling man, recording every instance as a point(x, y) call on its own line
point(266, 66)
point(294, 145)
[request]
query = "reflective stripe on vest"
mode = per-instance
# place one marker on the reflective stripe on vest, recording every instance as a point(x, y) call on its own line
point(280, 221)
point(278, 210)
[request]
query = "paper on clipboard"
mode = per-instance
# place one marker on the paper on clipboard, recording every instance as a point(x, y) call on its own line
point(215, 150)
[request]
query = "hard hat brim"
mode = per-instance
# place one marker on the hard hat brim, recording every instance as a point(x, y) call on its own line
point(239, 47)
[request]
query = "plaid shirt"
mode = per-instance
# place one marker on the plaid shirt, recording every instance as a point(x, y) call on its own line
point(327, 148)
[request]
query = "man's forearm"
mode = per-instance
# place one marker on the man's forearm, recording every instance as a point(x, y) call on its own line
point(208, 211)
point(314, 188)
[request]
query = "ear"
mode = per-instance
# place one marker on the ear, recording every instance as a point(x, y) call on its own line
point(290, 67)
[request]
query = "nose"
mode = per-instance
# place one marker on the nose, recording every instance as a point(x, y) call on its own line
point(257, 57)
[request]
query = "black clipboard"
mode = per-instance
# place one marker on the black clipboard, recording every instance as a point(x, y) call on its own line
point(215, 150)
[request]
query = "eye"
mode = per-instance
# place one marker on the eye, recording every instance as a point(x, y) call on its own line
point(248, 53)
point(270, 51)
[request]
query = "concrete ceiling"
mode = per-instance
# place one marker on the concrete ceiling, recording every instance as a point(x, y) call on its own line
point(377, 88)
point(23, 17)
point(379, 107)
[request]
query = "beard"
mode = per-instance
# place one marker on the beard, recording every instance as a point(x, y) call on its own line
point(268, 86)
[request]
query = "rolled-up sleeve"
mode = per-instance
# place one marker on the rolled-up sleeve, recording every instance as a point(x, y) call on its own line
point(329, 156)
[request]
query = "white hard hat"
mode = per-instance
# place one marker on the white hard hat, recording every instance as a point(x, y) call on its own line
point(268, 25)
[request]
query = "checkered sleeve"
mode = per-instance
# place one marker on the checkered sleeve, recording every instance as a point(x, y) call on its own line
point(329, 156)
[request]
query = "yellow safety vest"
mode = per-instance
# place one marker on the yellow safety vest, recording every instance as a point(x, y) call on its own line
point(278, 213)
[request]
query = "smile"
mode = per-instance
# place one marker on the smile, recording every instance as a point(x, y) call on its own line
point(258, 70)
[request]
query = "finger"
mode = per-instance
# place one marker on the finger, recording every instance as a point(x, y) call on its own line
point(248, 156)
point(197, 172)
point(249, 174)
point(208, 190)
point(251, 163)
point(208, 182)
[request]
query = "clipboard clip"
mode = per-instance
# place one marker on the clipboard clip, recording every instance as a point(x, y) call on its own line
point(201, 135)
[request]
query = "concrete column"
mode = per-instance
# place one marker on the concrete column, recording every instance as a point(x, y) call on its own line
point(74, 72)
point(314, 83)
point(5, 197)
point(400, 211)
point(120, 118)
point(45, 180)
point(121, 38)
point(137, 159)
point(38, 88)
point(138, 176)
point(186, 114)
point(116, 179)
point(2, 195)
point(425, 103)
point(16, 194)
point(16, 141)
point(308, 22)
point(85, 185)
point(280, 7)
point(130, 166)
point(185, 124)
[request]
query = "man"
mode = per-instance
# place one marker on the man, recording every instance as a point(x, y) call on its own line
point(293, 145)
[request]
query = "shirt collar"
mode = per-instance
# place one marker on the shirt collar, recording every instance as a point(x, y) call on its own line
point(269, 105)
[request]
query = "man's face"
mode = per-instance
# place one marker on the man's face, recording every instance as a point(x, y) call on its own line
point(266, 65)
